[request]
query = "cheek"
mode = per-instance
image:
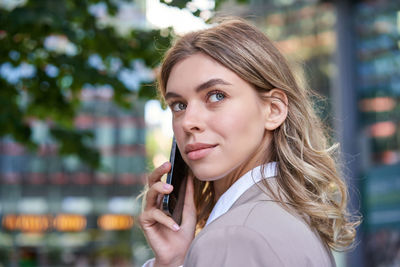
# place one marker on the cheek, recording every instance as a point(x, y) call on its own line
point(178, 133)
point(238, 122)
point(180, 137)
point(175, 127)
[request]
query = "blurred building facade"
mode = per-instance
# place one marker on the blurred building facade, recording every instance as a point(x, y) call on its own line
point(377, 85)
point(56, 211)
point(350, 52)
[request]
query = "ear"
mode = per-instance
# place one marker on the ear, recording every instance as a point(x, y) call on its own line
point(276, 108)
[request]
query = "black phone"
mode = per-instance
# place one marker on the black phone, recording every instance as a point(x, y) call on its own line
point(172, 203)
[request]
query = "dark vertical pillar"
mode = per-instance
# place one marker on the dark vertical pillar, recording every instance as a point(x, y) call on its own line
point(344, 96)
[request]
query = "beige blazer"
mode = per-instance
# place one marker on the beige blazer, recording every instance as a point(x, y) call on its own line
point(257, 231)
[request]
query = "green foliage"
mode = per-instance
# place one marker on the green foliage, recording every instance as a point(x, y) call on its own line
point(52, 90)
point(55, 95)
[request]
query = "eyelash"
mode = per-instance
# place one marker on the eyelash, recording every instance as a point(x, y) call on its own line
point(215, 92)
point(173, 104)
point(209, 94)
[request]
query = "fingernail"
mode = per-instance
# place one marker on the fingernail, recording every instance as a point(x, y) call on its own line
point(176, 227)
point(165, 164)
point(167, 186)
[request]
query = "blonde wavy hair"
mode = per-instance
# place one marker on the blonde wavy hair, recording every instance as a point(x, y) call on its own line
point(308, 178)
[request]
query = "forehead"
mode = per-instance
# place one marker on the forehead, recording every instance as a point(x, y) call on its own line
point(197, 69)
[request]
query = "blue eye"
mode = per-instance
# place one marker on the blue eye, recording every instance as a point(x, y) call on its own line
point(178, 106)
point(217, 96)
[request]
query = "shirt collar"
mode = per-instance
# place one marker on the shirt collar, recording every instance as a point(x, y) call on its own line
point(228, 198)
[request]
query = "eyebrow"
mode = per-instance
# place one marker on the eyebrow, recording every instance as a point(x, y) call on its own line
point(201, 87)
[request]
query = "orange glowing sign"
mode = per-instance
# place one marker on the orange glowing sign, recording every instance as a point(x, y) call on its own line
point(27, 223)
point(10, 222)
point(115, 222)
point(69, 223)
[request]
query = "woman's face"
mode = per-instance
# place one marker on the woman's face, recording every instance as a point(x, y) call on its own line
point(218, 118)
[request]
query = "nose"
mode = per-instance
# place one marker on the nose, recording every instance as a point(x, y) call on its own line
point(193, 120)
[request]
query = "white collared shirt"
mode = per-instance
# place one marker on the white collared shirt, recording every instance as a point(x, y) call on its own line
point(233, 193)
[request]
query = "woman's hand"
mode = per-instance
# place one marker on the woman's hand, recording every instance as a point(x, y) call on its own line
point(168, 241)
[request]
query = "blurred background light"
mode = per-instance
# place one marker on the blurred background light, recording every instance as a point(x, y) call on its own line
point(115, 222)
point(69, 223)
point(80, 205)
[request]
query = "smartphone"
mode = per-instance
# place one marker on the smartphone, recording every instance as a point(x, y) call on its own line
point(172, 203)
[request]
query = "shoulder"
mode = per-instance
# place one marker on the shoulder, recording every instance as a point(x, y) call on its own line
point(234, 245)
point(267, 232)
point(264, 217)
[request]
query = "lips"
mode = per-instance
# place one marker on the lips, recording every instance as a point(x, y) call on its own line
point(198, 150)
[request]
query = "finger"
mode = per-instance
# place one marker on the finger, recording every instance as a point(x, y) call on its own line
point(156, 215)
point(154, 192)
point(159, 201)
point(189, 208)
point(156, 175)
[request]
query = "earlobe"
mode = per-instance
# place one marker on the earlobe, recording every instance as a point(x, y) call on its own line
point(276, 109)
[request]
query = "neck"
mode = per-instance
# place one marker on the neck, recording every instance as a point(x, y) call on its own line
point(223, 184)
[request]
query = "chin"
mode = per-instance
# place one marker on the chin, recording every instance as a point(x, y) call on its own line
point(208, 176)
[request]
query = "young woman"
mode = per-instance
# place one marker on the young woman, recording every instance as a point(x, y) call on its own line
point(263, 188)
